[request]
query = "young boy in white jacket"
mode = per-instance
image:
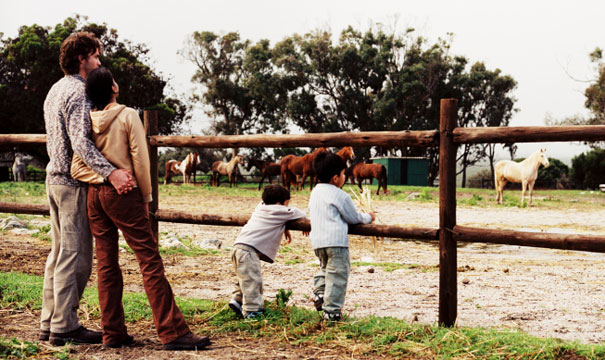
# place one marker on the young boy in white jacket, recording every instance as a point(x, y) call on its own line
point(331, 211)
point(259, 240)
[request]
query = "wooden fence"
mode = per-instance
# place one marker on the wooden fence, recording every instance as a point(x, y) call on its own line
point(448, 137)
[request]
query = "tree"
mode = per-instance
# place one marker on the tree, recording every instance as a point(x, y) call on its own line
point(366, 81)
point(555, 176)
point(219, 61)
point(595, 99)
point(588, 169)
point(485, 100)
point(29, 66)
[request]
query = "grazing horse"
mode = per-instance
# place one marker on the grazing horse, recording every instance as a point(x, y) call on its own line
point(525, 172)
point(267, 169)
point(186, 167)
point(222, 168)
point(361, 171)
point(19, 168)
point(294, 166)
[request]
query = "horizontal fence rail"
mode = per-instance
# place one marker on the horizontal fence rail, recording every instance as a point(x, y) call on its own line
point(525, 134)
point(19, 139)
point(367, 138)
point(592, 243)
point(424, 138)
point(219, 220)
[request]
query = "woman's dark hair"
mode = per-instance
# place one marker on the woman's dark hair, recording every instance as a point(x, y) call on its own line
point(273, 194)
point(99, 87)
point(77, 44)
point(326, 165)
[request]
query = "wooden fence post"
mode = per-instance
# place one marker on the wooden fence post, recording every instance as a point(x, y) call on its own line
point(151, 128)
point(448, 289)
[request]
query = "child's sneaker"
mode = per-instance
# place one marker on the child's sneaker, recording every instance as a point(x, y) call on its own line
point(318, 302)
point(236, 306)
point(253, 315)
point(332, 316)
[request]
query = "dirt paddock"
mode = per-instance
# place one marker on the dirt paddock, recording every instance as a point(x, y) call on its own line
point(547, 293)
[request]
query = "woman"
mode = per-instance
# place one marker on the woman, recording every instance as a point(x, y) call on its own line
point(118, 133)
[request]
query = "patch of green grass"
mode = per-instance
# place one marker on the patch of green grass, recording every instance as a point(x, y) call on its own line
point(474, 200)
point(18, 349)
point(293, 261)
point(390, 266)
point(302, 326)
point(194, 251)
point(35, 193)
point(20, 291)
point(42, 233)
point(23, 192)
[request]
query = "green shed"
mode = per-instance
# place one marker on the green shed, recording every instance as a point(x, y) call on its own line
point(405, 170)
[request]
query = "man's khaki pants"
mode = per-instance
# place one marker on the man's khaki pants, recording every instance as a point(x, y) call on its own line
point(69, 263)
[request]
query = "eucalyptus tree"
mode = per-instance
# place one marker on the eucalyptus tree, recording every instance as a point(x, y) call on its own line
point(485, 99)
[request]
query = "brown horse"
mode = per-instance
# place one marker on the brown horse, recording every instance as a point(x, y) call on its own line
point(186, 167)
point(294, 166)
point(361, 171)
point(222, 168)
point(347, 154)
point(267, 169)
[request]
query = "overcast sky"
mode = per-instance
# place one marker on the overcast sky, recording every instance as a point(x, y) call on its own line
point(543, 45)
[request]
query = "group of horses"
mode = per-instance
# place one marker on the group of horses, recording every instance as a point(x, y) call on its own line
point(293, 170)
point(296, 169)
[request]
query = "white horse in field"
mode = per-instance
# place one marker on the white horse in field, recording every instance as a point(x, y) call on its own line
point(524, 172)
point(20, 167)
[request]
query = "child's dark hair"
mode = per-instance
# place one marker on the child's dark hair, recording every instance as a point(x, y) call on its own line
point(99, 87)
point(326, 165)
point(273, 194)
point(75, 45)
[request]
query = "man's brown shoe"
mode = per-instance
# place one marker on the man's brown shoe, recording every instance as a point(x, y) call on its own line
point(44, 335)
point(188, 341)
point(79, 336)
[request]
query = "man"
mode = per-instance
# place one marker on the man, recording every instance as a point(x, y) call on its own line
point(69, 264)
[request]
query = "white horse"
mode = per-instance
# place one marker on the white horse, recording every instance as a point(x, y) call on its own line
point(19, 168)
point(524, 172)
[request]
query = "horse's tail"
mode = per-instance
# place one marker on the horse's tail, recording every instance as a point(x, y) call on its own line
point(167, 170)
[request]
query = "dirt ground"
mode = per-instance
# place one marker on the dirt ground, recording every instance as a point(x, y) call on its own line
point(547, 293)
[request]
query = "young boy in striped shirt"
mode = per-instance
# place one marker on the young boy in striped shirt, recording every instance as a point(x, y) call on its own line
point(331, 211)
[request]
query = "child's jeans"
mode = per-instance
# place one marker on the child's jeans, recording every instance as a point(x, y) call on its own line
point(249, 288)
point(332, 278)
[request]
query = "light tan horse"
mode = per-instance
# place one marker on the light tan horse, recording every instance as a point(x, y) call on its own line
point(222, 168)
point(524, 172)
